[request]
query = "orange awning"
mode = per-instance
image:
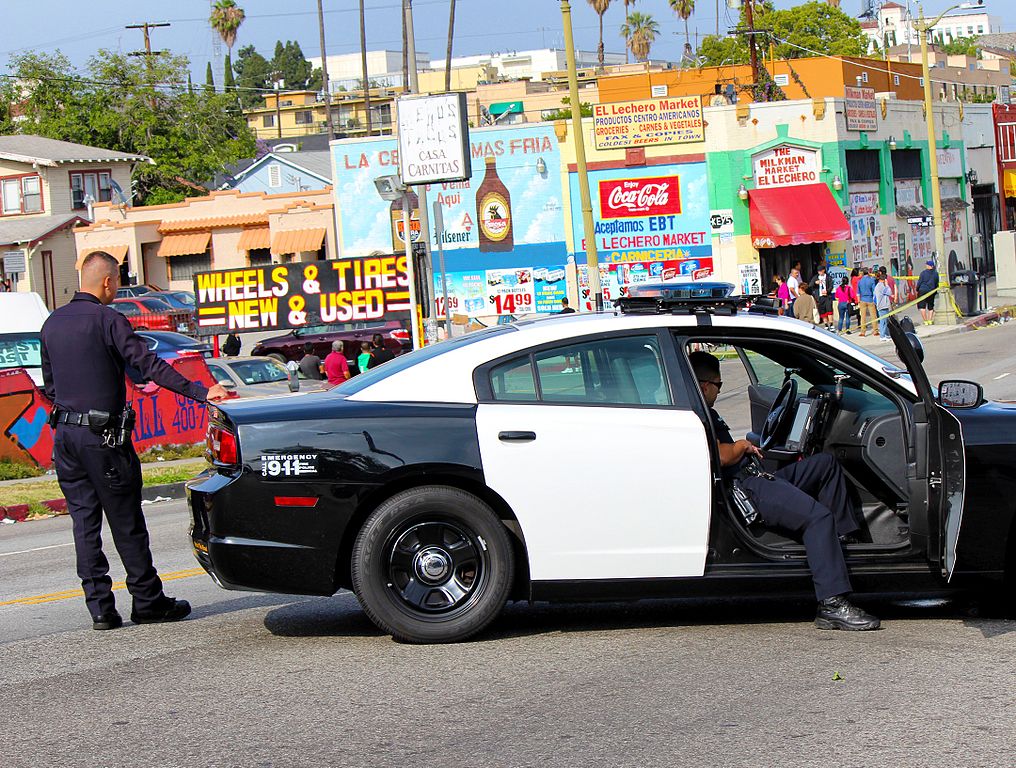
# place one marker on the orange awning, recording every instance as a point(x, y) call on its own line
point(118, 252)
point(253, 239)
point(184, 245)
point(297, 241)
point(1009, 183)
point(807, 213)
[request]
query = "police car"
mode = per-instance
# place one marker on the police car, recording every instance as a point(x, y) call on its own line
point(572, 458)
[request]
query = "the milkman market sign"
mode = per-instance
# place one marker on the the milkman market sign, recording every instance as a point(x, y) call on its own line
point(785, 166)
point(285, 296)
point(649, 123)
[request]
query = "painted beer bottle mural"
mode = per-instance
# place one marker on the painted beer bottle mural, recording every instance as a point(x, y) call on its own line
point(398, 223)
point(494, 211)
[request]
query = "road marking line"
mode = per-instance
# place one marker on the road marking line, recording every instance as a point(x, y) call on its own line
point(37, 549)
point(1001, 377)
point(66, 594)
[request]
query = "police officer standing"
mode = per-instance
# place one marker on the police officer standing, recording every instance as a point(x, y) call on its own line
point(85, 349)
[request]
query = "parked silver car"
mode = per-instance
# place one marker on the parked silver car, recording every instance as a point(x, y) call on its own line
point(253, 376)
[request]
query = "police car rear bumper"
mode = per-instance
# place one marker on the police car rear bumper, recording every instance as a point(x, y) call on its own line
point(221, 538)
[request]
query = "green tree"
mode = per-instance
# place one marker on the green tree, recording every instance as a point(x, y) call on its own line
point(564, 113)
point(962, 46)
point(640, 32)
point(806, 30)
point(120, 103)
point(294, 68)
point(209, 78)
point(600, 6)
point(253, 73)
point(228, 81)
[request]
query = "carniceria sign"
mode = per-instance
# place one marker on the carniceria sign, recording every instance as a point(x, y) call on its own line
point(433, 139)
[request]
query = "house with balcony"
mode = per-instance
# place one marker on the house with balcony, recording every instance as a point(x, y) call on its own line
point(292, 114)
point(47, 187)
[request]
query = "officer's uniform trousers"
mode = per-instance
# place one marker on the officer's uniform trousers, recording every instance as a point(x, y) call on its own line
point(809, 499)
point(94, 478)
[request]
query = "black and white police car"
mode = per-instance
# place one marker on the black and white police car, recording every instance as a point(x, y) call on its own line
point(572, 458)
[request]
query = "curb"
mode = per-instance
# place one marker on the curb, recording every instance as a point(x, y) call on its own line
point(19, 512)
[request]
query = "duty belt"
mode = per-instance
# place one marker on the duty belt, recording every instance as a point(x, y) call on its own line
point(79, 419)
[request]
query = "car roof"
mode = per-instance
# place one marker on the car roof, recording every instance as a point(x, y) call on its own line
point(448, 377)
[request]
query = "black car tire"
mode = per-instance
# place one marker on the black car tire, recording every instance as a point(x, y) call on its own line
point(276, 356)
point(432, 565)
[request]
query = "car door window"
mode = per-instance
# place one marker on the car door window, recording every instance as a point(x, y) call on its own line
point(219, 374)
point(616, 371)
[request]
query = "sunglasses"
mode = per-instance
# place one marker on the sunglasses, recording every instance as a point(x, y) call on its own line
point(717, 384)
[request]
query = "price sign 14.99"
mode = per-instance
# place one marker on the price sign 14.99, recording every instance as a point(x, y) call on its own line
point(510, 291)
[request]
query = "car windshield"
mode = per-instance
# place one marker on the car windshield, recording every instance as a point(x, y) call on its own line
point(259, 371)
point(20, 350)
point(408, 360)
point(184, 297)
point(154, 305)
point(892, 369)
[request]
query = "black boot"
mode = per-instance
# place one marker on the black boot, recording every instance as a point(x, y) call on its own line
point(166, 609)
point(839, 613)
point(110, 620)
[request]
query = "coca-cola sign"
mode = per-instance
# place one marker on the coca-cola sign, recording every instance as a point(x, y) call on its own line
point(657, 196)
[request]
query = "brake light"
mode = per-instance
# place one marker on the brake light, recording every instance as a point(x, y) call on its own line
point(401, 334)
point(221, 445)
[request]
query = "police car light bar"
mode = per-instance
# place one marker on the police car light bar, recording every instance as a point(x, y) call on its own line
point(681, 298)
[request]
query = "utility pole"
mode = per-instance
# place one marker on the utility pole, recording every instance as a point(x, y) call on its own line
point(324, 71)
point(366, 75)
point(148, 52)
point(277, 85)
point(592, 258)
point(752, 53)
point(414, 86)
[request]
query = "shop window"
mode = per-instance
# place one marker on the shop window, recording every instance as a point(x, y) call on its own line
point(21, 194)
point(95, 183)
point(259, 257)
point(863, 165)
point(907, 164)
point(185, 267)
point(268, 121)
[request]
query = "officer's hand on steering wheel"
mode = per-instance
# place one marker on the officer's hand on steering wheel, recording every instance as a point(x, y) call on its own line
point(216, 393)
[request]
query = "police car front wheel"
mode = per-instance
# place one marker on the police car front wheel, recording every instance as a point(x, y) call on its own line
point(432, 565)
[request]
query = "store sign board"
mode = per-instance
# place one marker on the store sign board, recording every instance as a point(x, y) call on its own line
point(15, 262)
point(860, 109)
point(785, 166)
point(648, 123)
point(721, 221)
point(286, 296)
point(434, 139)
point(950, 163)
point(626, 198)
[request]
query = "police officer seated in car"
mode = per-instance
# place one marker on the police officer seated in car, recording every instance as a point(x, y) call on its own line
point(808, 499)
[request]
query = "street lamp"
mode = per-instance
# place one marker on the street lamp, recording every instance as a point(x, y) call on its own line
point(391, 188)
point(943, 308)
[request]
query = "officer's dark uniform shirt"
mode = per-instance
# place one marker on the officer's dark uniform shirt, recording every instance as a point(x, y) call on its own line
point(723, 435)
point(85, 350)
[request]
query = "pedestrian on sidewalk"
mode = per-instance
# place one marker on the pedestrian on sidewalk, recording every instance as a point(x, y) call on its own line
point(782, 292)
point(822, 291)
point(883, 304)
point(844, 305)
point(927, 282)
point(86, 347)
point(805, 307)
point(310, 364)
point(336, 367)
point(866, 301)
point(793, 289)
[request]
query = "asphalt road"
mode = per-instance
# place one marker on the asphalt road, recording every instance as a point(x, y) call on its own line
point(270, 680)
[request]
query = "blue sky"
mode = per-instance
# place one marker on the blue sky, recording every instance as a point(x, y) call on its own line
point(79, 29)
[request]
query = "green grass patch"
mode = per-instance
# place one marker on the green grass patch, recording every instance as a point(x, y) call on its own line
point(33, 493)
point(14, 470)
point(173, 452)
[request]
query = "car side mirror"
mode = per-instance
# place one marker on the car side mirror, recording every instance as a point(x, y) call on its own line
point(227, 384)
point(917, 345)
point(960, 394)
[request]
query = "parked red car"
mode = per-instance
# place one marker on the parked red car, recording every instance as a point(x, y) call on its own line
point(154, 314)
point(290, 346)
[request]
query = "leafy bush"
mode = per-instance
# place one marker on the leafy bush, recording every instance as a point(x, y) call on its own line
point(12, 470)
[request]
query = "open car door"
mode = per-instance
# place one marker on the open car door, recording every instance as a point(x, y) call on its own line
point(940, 476)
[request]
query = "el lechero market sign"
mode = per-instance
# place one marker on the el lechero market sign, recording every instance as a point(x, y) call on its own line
point(785, 166)
point(649, 123)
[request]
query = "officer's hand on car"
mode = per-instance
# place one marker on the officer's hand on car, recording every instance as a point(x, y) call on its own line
point(217, 392)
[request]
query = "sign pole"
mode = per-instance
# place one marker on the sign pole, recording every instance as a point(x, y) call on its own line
point(407, 238)
point(438, 232)
point(592, 259)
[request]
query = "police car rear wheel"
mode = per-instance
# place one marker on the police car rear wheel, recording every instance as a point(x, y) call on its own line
point(432, 565)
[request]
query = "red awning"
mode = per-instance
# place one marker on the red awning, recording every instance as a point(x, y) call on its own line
point(795, 215)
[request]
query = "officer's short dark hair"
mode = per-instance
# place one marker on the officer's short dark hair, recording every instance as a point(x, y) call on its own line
point(97, 258)
point(704, 365)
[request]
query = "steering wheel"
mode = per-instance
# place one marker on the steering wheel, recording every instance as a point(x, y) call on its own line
point(780, 414)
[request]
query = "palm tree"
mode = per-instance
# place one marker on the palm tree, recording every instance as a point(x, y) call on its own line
point(627, 3)
point(600, 6)
point(640, 32)
point(684, 9)
point(226, 19)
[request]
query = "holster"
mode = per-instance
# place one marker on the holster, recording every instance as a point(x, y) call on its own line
point(98, 421)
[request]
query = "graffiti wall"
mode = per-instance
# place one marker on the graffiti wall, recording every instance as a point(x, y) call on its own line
point(503, 237)
point(164, 418)
point(651, 223)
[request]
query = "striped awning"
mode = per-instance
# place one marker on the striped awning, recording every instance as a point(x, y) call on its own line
point(118, 252)
point(184, 244)
point(297, 241)
point(253, 239)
